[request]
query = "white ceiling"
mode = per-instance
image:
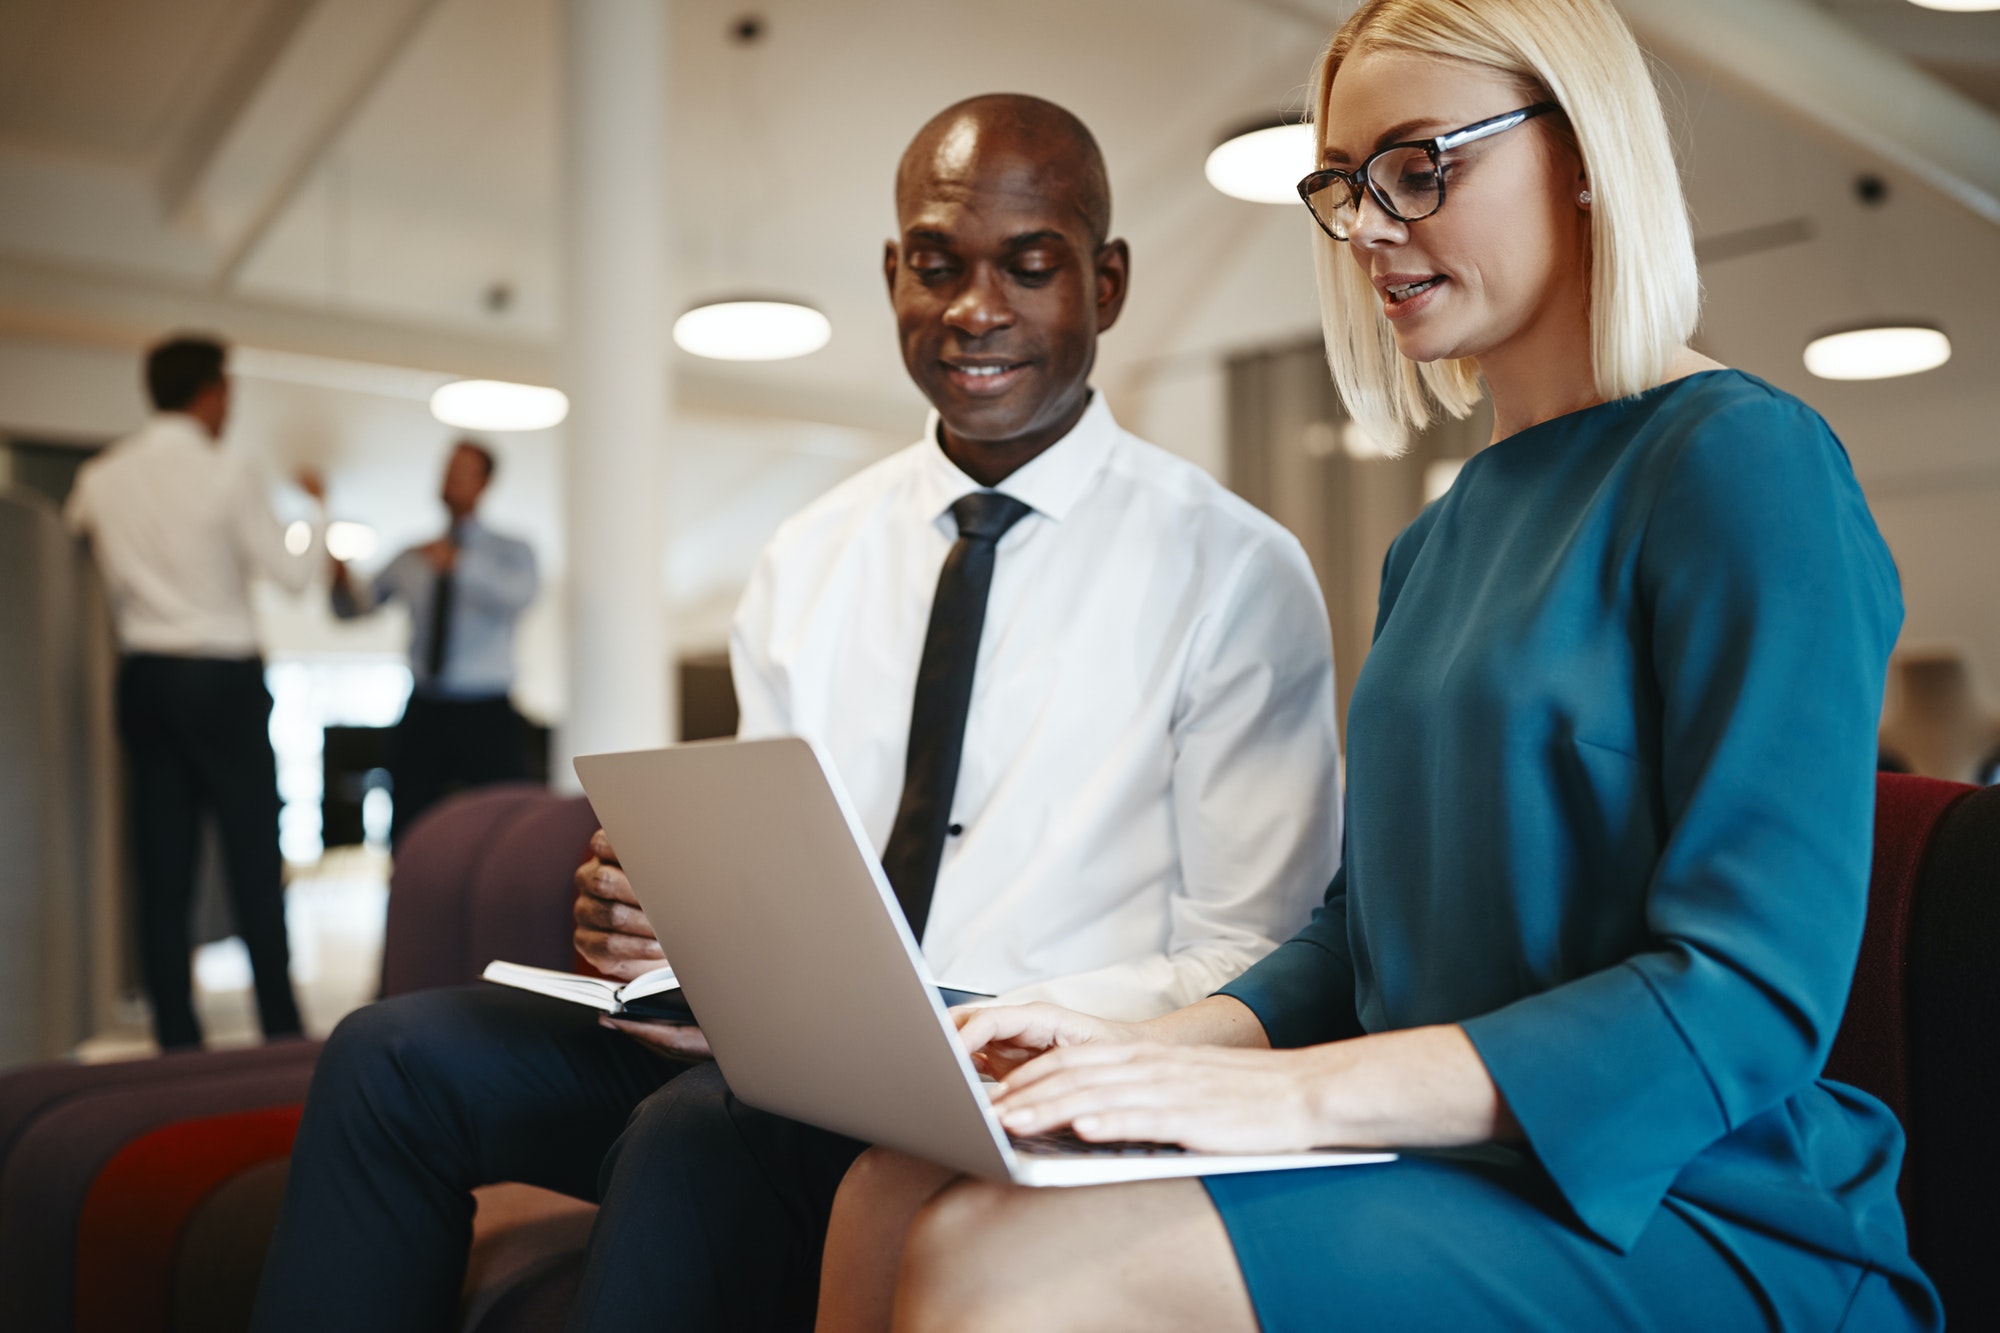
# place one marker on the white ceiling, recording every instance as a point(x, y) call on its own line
point(116, 82)
point(354, 177)
point(428, 178)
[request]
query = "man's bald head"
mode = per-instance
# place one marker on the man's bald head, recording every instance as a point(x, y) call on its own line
point(1002, 277)
point(1067, 161)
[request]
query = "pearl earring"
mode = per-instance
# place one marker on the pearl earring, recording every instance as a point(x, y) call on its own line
point(1584, 198)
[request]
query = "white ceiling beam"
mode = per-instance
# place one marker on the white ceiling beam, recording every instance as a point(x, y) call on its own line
point(290, 104)
point(1822, 74)
point(71, 305)
point(1930, 35)
point(221, 108)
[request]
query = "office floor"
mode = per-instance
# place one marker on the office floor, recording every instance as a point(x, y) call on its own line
point(335, 912)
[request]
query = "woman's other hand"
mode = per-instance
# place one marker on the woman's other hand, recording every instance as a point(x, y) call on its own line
point(1208, 1098)
point(1003, 1037)
point(1425, 1087)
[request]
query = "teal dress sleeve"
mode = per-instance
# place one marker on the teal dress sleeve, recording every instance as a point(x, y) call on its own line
point(1303, 991)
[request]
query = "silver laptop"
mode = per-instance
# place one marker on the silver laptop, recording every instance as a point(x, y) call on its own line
point(793, 952)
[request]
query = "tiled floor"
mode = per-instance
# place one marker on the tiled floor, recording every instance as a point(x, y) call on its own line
point(335, 913)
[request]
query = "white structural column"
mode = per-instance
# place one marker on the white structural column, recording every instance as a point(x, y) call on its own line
point(615, 349)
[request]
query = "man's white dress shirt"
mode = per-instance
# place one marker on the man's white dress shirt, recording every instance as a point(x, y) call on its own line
point(179, 528)
point(1149, 794)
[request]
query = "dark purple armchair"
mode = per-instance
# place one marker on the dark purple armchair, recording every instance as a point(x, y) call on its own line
point(140, 1196)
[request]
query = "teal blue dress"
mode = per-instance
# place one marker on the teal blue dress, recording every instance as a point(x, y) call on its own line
point(1610, 805)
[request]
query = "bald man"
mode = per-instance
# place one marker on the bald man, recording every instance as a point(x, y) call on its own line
point(1138, 802)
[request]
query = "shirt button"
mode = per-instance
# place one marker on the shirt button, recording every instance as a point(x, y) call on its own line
point(955, 830)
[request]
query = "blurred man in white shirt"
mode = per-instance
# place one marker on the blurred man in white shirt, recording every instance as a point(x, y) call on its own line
point(1081, 695)
point(465, 590)
point(180, 528)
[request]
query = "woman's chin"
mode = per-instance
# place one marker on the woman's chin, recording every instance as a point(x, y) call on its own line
point(1421, 350)
point(1425, 346)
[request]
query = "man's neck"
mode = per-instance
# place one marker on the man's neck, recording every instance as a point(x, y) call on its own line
point(990, 462)
point(190, 420)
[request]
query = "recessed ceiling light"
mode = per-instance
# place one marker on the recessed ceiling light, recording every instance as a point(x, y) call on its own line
point(1959, 6)
point(1877, 353)
point(499, 405)
point(752, 329)
point(1263, 163)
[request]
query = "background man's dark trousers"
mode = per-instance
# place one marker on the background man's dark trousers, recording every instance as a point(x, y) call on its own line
point(446, 744)
point(197, 734)
point(419, 1099)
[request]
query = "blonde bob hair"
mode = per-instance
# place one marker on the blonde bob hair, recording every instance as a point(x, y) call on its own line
point(1645, 295)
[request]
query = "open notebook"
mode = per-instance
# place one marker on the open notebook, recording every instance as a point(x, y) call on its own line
point(654, 996)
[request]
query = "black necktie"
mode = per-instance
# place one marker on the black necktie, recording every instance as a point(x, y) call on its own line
point(440, 623)
point(944, 697)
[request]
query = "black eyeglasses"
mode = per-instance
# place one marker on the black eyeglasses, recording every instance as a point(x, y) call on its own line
point(1406, 179)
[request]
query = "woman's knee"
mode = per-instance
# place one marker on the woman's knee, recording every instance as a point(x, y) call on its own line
point(957, 1273)
point(1151, 1254)
point(883, 1177)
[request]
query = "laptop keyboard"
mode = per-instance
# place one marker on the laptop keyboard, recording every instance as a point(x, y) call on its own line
point(1064, 1142)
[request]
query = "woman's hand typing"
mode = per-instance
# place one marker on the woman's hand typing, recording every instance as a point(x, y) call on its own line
point(1003, 1037)
point(1425, 1087)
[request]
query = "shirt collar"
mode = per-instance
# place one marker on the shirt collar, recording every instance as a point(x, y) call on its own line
point(1050, 485)
point(179, 425)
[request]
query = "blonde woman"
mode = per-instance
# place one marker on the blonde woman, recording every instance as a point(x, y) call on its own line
point(1609, 810)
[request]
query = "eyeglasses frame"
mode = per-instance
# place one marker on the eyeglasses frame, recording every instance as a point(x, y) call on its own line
point(1359, 179)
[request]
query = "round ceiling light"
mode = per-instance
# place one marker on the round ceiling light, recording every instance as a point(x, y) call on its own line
point(499, 405)
point(1959, 6)
point(1877, 353)
point(1262, 163)
point(752, 329)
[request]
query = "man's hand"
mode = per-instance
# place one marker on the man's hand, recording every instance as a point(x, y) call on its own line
point(312, 482)
point(614, 937)
point(612, 932)
point(670, 1038)
point(442, 554)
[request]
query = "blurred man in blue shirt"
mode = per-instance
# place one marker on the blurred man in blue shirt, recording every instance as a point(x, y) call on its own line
point(464, 590)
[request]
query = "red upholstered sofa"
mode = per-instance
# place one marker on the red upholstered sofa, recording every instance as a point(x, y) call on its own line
point(140, 1196)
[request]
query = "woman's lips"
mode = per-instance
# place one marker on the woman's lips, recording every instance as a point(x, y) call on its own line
point(1412, 305)
point(985, 380)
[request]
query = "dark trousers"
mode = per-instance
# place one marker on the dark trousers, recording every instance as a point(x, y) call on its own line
point(712, 1215)
point(445, 745)
point(197, 733)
